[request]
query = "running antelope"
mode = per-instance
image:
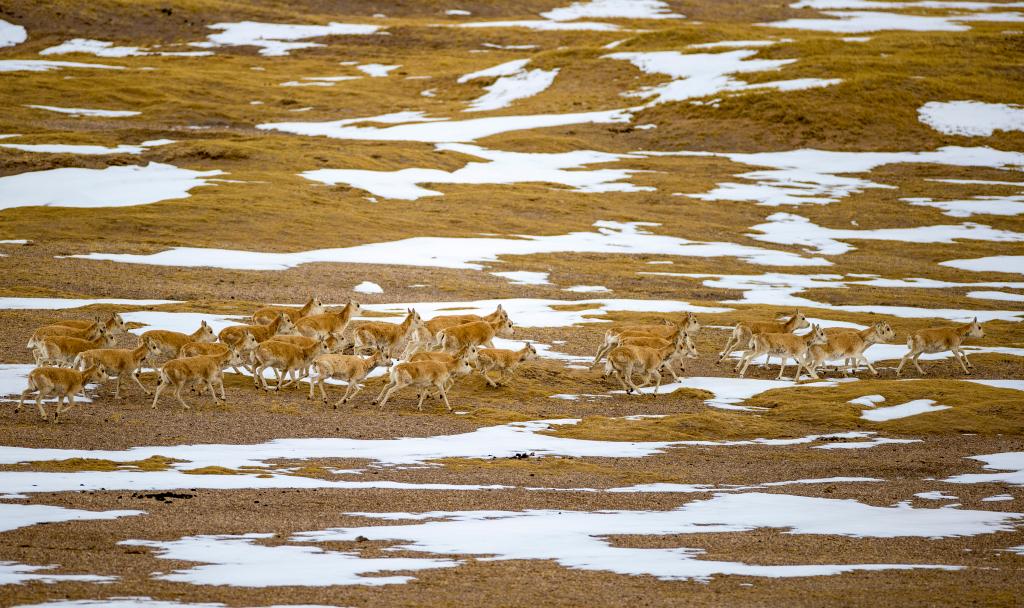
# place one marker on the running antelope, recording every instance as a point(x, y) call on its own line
point(353, 369)
point(194, 349)
point(234, 336)
point(63, 382)
point(328, 323)
point(504, 361)
point(169, 343)
point(285, 359)
point(385, 337)
point(428, 375)
point(744, 330)
point(114, 324)
point(118, 362)
point(471, 354)
point(428, 332)
point(62, 350)
point(624, 361)
point(787, 346)
point(939, 340)
point(267, 315)
point(50, 331)
point(202, 370)
point(474, 333)
point(849, 345)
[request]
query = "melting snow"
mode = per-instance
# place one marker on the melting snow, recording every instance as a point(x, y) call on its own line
point(276, 39)
point(996, 295)
point(998, 498)
point(857, 22)
point(10, 303)
point(102, 48)
point(612, 9)
point(1012, 463)
point(546, 25)
point(978, 205)
point(971, 118)
point(88, 112)
point(116, 186)
point(12, 573)
point(867, 400)
point(524, 277)
point(368, 287)
point(513, 82)
point(11, 34)
point(39, 65)
point(994, 263)
point(935, 495)
point(904, 410)
point(13, 516)
point(88, 150)
point(377, 70)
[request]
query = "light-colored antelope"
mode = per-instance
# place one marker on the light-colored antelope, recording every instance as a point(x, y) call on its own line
point(427, 375)
point(475, 333)
point(428, 332)
point(114, 324)
point(386, 337)
point(119, 362)
point(743, 331)
point(787, 346)
point(169, 343)
point(665, 331)
point(202, 370)
point(353, 369)
point(266, 315)
point(234, 335)
point(63, 382)
point(194, 349)
point(328, 323)
point(939, 340)
point(49, 331)
point(471, 354)
point(849, 346)
point(62, 350)
point(624, 361)
point(503, 361)
point(285, 359)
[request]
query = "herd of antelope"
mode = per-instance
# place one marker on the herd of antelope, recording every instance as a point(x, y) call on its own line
point(316, 344)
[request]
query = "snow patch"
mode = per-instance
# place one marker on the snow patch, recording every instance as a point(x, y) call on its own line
point(971, 118)
point(904, 410)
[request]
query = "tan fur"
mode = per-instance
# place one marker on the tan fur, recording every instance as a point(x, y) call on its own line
point(267, 315)
point(169, 343)
point(114, 324)
point(350, 368)
point(118, 362)
point(445, 321)
point(642, 335)
point(235, 334)
point(61, 350)
point(939, 340)
point(624, 361)
point(423, 374)
point(503, 361)
point(386, 337)
point(285, 359)
point(786, 345)
point(328, 323)
point(743, 331)
point(475, 333)
point(202, 370)
point(60, 381)
point(49, 331)
point(849, 345)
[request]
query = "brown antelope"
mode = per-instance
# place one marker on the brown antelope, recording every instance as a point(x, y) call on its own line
point(169, 343)
point(328, 323)
point(939, 340)
point(385, 337)
point(202, 370)
point(353, 369)
point(471, 354)
point(63, 382)
point(61, 350)
point(285, 359)
point(118, 362)
point(474, 333)
point(49, 331)
point(428, 332)
point(114, 324)
point(233, 335)
point(194, 349)
point(787, 346)
point(642, 337)
point(666, 330)
point(267, 315)
point(503, 361)
point(624, 361)
point(423, 374)
point(849, 345)
point(743, 331)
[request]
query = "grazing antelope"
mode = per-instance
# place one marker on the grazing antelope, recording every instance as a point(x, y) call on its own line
point(787, 346)
point(624, 361)
point(203, 370)
point(385, 337)
point(423, 374)
point(266, 315)
point(63, 382)
point(328, 323)
point(939, 340)
point(285, 359)
point(849, 345)
point(474, 333)
point(743, 331)
point(118, 362)
point(504, 361)
point(169, 343)
point(350, 368)
point(61, 350)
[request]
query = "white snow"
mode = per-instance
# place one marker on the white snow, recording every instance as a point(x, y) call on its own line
point(858, 22)
point(612, 9)
point(1017, 385)
point(512, 82)
point(978, 205)
point(40, 65)
point(14, 303)
point(368, 287)
point(790, 229)
point(14, 516)
point(971, 118)
point(457, 12)
point(1010, 463)
point(996, 295)
point(969, 5)
point(88, 112)
point(936, 495)
point(414, 126)
point(904, 410)
point(737, 44)
point(994, 263)
point(318, 81)
point(115, 186)
point(13, 573)
point(376, 70)
point(103, 48)
point(184, 322)
point(697, 75)
point(86, 149)
point(11, 34)
point(998, 498)
point(450, 252)
point(500, 168)
point(545, 25)
point(867, 400)
point(587, 289)
point(277, 39)
point(524, 277)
